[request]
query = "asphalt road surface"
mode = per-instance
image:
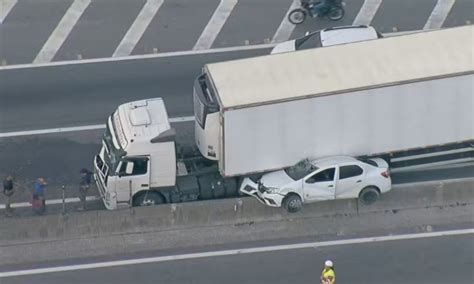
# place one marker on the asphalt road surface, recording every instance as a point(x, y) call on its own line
point(444, 259)
point(73, 29)
point(76, 95)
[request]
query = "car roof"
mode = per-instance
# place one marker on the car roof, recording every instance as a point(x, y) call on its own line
point(347, 34)
point(333, 160)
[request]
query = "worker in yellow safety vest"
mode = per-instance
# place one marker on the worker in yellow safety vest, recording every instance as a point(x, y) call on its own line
point(328, 276)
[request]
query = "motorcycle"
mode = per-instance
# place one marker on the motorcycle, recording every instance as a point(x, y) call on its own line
point(334, 12)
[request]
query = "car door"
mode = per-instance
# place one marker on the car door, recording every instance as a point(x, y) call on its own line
point(320, 185)
point(350, 181)
point(138, 174)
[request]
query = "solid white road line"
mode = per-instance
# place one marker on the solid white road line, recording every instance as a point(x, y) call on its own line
point(439, 14)
point(234, 252)
point(77, 128)
point(61, 32)
point(139, 57)
point(286, 28)
point(419, 156)
point(52, 202)
point(215, 24)
point(462, 162)
point(138, 28)
point(5, 7)
point(367, 12)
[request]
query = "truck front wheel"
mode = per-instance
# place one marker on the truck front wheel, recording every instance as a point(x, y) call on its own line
point(148, 198)
point(292, 203)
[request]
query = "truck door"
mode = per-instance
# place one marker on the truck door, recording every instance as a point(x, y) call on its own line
point(320, 185)
point(135, 170)
point(350, 182)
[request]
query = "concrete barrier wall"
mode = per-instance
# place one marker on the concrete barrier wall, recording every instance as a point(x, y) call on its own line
point(235, 212)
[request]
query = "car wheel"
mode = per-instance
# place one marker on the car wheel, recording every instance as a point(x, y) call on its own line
point(148, 198)
point(369, 195)
point(292, 203)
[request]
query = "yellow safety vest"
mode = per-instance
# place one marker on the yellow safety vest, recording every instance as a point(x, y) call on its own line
point(329, 273)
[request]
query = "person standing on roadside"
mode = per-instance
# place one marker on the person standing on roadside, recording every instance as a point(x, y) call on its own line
point(39, 200)
point(8, 191)
point(328, 276)
point(84, 185)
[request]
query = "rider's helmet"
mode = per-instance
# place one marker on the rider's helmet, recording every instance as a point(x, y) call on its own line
point(328, 263)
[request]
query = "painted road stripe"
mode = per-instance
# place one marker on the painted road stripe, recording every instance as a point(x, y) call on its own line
point(234, 252)
point(52, 202)
point(5, 7)
point(419, 156)
point(158, 55)
point(367, 12)
point(77, 128)
point(286, 28)
point(61, 32)
point(434, 165)
point(139, 57)
point(439, 14)
point(215, 24)
point(138, 27)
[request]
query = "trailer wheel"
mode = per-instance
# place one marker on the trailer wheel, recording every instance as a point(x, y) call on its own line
point(148, 198)
point(292, 203)
point(369, 195)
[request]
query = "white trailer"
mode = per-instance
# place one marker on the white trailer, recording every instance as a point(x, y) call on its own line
point(366, 98)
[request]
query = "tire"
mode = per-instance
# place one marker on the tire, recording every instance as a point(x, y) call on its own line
point(297, 16)
point(369, 195)
point(336, 13)
point(292, 203)
point(148, 198)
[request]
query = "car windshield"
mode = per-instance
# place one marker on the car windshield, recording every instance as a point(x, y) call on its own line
point(310, 41)
point(300, 170)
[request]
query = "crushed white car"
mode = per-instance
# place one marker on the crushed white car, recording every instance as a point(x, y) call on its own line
point(329, 178)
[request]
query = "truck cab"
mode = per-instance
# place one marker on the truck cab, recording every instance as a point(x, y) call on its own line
point(137, 154)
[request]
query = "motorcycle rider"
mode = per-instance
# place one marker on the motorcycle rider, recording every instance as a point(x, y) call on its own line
point(318, 7)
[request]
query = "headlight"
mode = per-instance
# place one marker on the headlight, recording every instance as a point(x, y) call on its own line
point(272, 190)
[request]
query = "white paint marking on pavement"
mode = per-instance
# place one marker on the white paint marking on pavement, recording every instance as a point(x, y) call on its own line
point(367, 12)
point(159, 55)
point(439, 14)
point(138, 27)
point(419, 156)
point(61, 32)
point(139, 57)
point(234, 252)
point(52, 202)
point(286, 28)
point(5, 7)
point(215, 24)
point(77, 128)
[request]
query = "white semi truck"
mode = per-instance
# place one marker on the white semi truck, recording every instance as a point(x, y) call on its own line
point(382, 98)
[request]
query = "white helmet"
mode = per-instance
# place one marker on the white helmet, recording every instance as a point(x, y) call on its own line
point(328, 263)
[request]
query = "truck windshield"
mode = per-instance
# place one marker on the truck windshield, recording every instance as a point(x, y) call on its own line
point(300, 170)
point(113, 150)
point(205, 101)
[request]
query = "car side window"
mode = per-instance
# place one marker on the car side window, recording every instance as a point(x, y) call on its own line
point(140, 166)
point(350, 171)
point(323, 176)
